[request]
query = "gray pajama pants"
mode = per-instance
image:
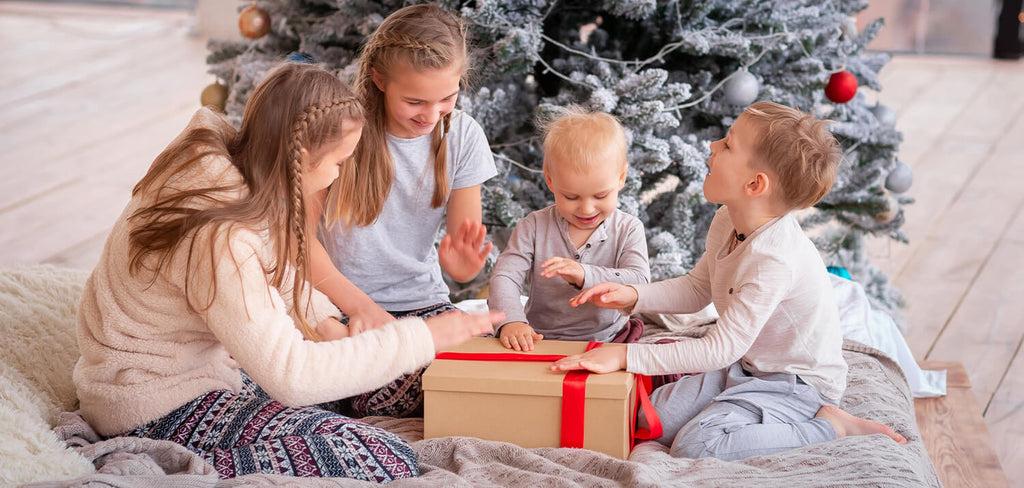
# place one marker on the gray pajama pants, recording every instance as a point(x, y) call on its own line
point(731, 415)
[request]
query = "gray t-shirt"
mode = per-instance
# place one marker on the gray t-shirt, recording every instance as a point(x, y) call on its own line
point(393, 260)
point(616, 251)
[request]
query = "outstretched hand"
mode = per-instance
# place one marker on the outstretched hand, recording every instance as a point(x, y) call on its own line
point(462, 255)
point(607, 295)
point(570, 271)
point(455, 327)
point(605, 359)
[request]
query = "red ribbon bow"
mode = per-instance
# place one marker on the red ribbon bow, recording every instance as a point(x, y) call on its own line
point(574, 394)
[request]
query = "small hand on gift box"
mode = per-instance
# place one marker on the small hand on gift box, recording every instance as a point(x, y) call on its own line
point(519, 336)
point(607, 359)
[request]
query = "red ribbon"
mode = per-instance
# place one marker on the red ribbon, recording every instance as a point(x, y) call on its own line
point(574, 394)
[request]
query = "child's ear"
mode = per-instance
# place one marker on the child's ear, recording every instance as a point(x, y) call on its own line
point(547, 179)
point(758, 185)
point(622, 177)
point(377, 79)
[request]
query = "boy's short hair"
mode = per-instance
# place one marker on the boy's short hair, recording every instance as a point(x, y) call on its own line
point(583, 138)
point(798, 149)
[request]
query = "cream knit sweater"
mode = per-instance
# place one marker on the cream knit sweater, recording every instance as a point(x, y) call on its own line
point(144, 353)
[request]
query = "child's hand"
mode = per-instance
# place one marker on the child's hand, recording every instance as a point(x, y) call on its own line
point(368, 317)
point(330, 329)
point(605, 359)
point(455, 327)
point(607, 295)
point(463, 254)
point(569, 270)
point(519, 336)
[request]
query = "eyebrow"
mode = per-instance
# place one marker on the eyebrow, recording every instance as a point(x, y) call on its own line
point(413, 99)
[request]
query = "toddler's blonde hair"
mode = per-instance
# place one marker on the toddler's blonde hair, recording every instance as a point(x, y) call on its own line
point(583, 138)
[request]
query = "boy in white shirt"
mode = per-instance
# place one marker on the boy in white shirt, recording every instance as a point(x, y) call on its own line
point(772, 370)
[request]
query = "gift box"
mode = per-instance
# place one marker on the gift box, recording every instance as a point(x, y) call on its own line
point(515, 399)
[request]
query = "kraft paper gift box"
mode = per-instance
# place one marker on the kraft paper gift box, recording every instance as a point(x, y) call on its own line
point(521, 402)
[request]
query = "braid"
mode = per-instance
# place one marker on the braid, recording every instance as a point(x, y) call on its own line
point(297, 226)
point(440, 140)
point(406, 42)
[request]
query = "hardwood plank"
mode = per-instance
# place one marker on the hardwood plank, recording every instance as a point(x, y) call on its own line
point(99, 194)
point(955, 436)
point(939, 274)
point(985, 331)
point(85, 114)
point(1005, 418)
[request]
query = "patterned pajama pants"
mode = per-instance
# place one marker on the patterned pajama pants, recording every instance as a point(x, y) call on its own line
point(400, 398)
point(249, 432)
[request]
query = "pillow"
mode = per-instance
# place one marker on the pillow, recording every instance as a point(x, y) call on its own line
point(38, 352)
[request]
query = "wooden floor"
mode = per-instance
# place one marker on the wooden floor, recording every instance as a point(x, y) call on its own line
point(89, 95)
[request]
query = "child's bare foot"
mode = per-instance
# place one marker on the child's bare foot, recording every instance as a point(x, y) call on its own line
point(846, 424)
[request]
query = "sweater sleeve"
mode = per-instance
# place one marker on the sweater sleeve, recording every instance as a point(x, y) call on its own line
point(689, 293)
point(249, 317)
point(631, 266)
point(758, 295)
point(508, 278)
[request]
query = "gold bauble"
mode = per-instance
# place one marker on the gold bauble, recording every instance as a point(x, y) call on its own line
point(215, 95)
point(254, 22)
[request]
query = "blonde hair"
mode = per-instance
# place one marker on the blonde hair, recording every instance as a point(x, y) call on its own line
point(296, 107)
point(797, 149)
point(583, 138)
point(423, 37)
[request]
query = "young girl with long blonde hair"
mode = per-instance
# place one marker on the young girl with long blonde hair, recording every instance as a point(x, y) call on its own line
point(421, 163)
point(191, 328)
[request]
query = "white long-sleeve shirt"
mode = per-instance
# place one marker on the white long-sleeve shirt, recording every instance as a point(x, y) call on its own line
point(776, 308)
point(145, 353)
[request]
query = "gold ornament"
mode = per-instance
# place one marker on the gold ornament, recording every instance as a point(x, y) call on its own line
point(254, 22)
point(891, 211)
point(215, 95)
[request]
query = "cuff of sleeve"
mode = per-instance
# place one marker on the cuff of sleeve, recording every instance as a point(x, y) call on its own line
point(640, 305)
point(419, 338)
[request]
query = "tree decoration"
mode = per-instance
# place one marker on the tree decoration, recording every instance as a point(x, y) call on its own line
point(849, 28)
point(214, 95)
point(741, 89)
point(842, 86)
point(900, 178)
point(885, 115)
point(891, 210)
point(254, 22)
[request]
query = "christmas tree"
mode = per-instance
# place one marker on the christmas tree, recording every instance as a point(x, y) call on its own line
point(677, 74)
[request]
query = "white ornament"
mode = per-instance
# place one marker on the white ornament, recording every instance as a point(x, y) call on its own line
point(742, 88)
point(850, 28)
point(885, 115)
point(900, 178)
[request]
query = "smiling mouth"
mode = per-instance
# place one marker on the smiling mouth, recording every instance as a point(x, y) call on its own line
point(587, 220)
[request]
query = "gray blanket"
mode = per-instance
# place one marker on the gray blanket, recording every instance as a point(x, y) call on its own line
point(876, 390)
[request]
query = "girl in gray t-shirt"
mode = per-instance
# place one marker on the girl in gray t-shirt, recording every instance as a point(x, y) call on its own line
point(420, 163)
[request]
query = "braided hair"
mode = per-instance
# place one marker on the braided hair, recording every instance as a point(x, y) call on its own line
point(423, 37)
point(297, 106)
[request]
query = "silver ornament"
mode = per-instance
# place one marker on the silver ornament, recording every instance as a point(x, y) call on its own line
point(885, 115)
point(900, 178)
point(742, 88)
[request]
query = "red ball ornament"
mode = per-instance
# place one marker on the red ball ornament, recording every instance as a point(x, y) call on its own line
point(254, 22)
point(842, 86)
